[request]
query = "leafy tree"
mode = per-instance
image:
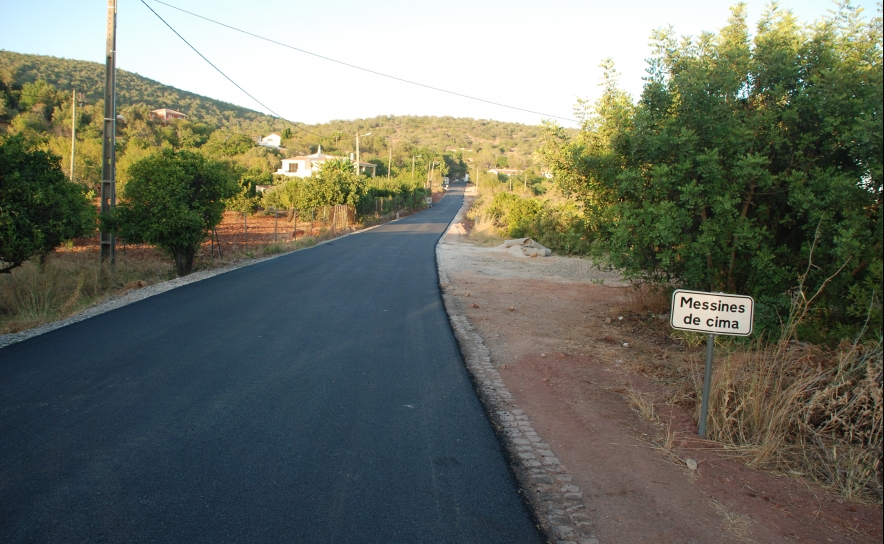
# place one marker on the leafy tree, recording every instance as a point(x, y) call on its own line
point(225, 144)
point(742, 161)
point(35, 93)
point(39, 207)
point(247, 198)
point(514, 213)
point(173, 199)
point(381, 166)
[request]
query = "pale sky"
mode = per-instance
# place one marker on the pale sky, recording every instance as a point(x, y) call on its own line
point(538, 56)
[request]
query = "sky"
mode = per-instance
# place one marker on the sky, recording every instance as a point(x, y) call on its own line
point(537, 56)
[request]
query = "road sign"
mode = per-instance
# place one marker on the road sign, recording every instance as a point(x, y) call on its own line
point(713, 313)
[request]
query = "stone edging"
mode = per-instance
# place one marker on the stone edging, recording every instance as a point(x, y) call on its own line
point(557, 501)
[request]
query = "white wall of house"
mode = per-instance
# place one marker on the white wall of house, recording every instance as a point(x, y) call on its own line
point(271, 140)
point(300, 167)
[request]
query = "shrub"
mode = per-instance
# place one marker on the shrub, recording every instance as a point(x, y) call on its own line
point(39, 207)
point(173, 200)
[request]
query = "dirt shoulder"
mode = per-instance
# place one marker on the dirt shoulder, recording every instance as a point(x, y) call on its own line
point(553, 336)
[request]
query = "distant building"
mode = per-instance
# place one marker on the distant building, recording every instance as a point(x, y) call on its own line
point(271, 140)
point(304, 166)
point(165, 114)
point(505, 171)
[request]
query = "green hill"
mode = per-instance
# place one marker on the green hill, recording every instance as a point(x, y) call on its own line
point(35, 97)
point(17, 69)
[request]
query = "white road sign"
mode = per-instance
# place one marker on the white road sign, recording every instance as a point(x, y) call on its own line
point(715, 313)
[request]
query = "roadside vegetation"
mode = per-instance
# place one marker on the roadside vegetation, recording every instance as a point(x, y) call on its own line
point(534, 209)
point(749, 165)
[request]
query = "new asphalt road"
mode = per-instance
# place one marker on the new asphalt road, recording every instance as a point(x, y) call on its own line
point(317, 397)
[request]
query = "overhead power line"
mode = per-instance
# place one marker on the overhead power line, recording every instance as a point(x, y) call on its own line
point(238, 86)
point(375, 72)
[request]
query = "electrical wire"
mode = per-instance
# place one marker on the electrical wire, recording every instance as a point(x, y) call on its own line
point(360, 67)
point(228, 77)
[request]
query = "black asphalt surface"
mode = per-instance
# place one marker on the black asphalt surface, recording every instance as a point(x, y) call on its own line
point(317, 397)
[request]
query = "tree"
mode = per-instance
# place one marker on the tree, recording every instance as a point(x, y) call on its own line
point(246, 199)
point(173, 200)
point(743, 161)
point(335, 183)
point(39, 207)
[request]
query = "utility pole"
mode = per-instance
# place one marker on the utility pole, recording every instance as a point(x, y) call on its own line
point(412, 165)
point(390, 163)
point(108, 156)
point(73, 129)
point(357, 153)
point(357, 150)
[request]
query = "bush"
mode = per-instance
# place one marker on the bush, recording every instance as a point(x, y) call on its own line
point(335, 183)
point(39, 207)
point(747, 162)
point(173, 200)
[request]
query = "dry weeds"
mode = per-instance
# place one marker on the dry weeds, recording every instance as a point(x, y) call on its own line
point(785, 406)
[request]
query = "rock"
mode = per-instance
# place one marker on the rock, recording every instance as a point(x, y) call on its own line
point(607, 321)
point(474, 305)
point(691, 464)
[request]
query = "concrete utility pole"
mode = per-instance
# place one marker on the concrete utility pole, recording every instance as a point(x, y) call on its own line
point(412, 165)
point(108, 155)
point(357, 150)
point(73, 129)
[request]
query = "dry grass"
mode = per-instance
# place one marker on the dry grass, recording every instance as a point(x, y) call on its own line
point(70, 279)
point(641, 403)
point(799, 410)
point(783, 405)
point(644, 298)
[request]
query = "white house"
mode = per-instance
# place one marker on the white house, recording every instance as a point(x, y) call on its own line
point(271, 140)
point(304, 166)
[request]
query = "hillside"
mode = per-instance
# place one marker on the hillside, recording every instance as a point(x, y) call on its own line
point(35, 97)
point(17, 69)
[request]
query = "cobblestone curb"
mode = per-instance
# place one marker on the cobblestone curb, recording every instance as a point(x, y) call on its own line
point(557, 501)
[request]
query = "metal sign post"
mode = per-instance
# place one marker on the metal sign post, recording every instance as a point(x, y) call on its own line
point(712, 313)
point(707, 384)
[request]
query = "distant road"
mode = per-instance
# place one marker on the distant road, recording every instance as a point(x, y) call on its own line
point(317, 397)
